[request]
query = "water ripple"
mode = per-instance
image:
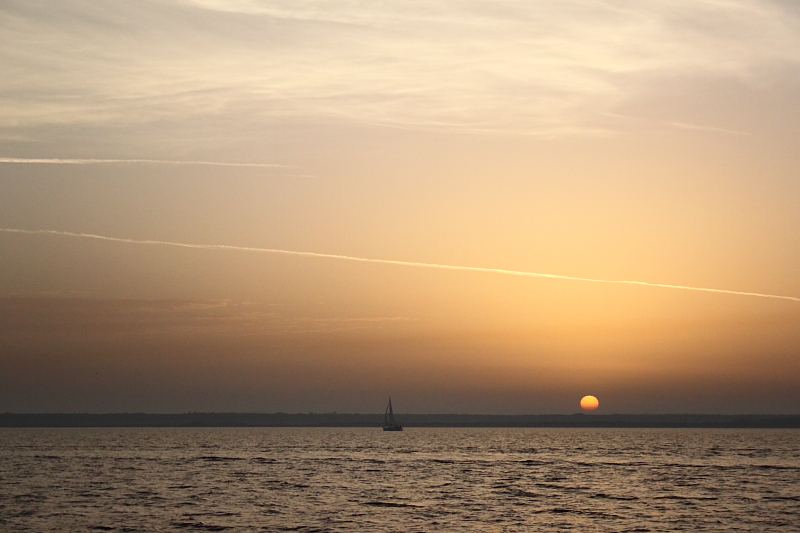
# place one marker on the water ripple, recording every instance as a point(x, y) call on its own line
point(339, 479)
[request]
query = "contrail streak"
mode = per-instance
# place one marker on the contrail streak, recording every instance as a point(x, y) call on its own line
point(129, 161)
point(388, 262)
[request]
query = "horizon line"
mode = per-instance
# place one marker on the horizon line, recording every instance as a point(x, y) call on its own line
point(336, 413)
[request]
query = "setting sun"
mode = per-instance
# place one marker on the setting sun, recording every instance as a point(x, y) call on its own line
point(589, 403)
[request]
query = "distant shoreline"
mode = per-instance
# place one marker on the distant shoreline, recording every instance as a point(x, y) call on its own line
point(579, 420)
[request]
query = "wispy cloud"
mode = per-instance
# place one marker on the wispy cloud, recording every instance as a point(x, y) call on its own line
point(25, 314)
point(525, 66)
point(392, 262)
point(20, 160)
point(686, 126)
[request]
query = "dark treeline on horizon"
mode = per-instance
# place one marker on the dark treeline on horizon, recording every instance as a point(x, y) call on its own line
point(408, 420)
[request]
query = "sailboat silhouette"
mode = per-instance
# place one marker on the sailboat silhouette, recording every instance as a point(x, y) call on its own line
point(389, 423)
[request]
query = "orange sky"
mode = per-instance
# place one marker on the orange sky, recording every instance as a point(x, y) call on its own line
point(654, 143)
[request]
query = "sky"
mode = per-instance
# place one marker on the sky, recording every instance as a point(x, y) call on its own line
point(462, 181)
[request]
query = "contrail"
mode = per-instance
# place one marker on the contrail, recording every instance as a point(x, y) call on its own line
point(388, 262)
point(129, 161)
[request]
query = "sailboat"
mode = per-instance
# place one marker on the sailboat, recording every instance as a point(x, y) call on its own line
point(389, 423)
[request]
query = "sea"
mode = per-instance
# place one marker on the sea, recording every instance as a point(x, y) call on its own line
point(421, 479)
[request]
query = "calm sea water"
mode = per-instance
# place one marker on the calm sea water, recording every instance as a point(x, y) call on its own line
point(313, 479)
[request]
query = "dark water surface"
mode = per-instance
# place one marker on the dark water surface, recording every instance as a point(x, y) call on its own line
point(342, 479)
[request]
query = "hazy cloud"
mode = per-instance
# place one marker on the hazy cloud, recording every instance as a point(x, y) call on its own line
point(534, 67)
point(71, 354)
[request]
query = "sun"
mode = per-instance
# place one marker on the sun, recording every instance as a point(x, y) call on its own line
point(589, 403)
